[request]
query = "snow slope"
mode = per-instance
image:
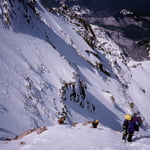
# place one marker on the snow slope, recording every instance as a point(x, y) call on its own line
point(49, 71)
point(76, 138)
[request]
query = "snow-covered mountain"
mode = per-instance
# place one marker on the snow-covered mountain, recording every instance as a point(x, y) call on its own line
point(127, 22)
point(107, 6)
point(53, 64)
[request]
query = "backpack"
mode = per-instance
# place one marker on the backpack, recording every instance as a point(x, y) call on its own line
point(138, 122)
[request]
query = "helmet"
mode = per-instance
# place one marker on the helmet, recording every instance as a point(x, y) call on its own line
point(128, 117)
point(96, 121)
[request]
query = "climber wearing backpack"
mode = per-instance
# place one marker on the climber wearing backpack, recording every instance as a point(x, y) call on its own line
point(95, 123)
point(138, 121)
point(128, 128)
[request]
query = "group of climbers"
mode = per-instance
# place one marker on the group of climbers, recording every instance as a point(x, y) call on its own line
point(131, 124)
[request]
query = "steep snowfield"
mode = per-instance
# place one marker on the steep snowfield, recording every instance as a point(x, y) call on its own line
point(48, 71)
point(139, 88)
point(29, 76)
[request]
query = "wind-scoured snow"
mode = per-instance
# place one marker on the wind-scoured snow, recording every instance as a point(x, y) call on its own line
point(48, 71)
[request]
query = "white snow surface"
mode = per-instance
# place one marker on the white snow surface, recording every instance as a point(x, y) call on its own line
point(37, 58)
point(81, 137)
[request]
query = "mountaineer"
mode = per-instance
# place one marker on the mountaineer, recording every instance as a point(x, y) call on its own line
point(95, 123)
point(128, 128)
point(138, 121)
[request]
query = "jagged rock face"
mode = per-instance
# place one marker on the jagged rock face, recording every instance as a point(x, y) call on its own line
point(128, 29)
point(124, 21)
point(11, 9)
point(84, 28)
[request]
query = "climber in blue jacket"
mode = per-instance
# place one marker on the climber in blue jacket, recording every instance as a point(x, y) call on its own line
point(128, 128)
